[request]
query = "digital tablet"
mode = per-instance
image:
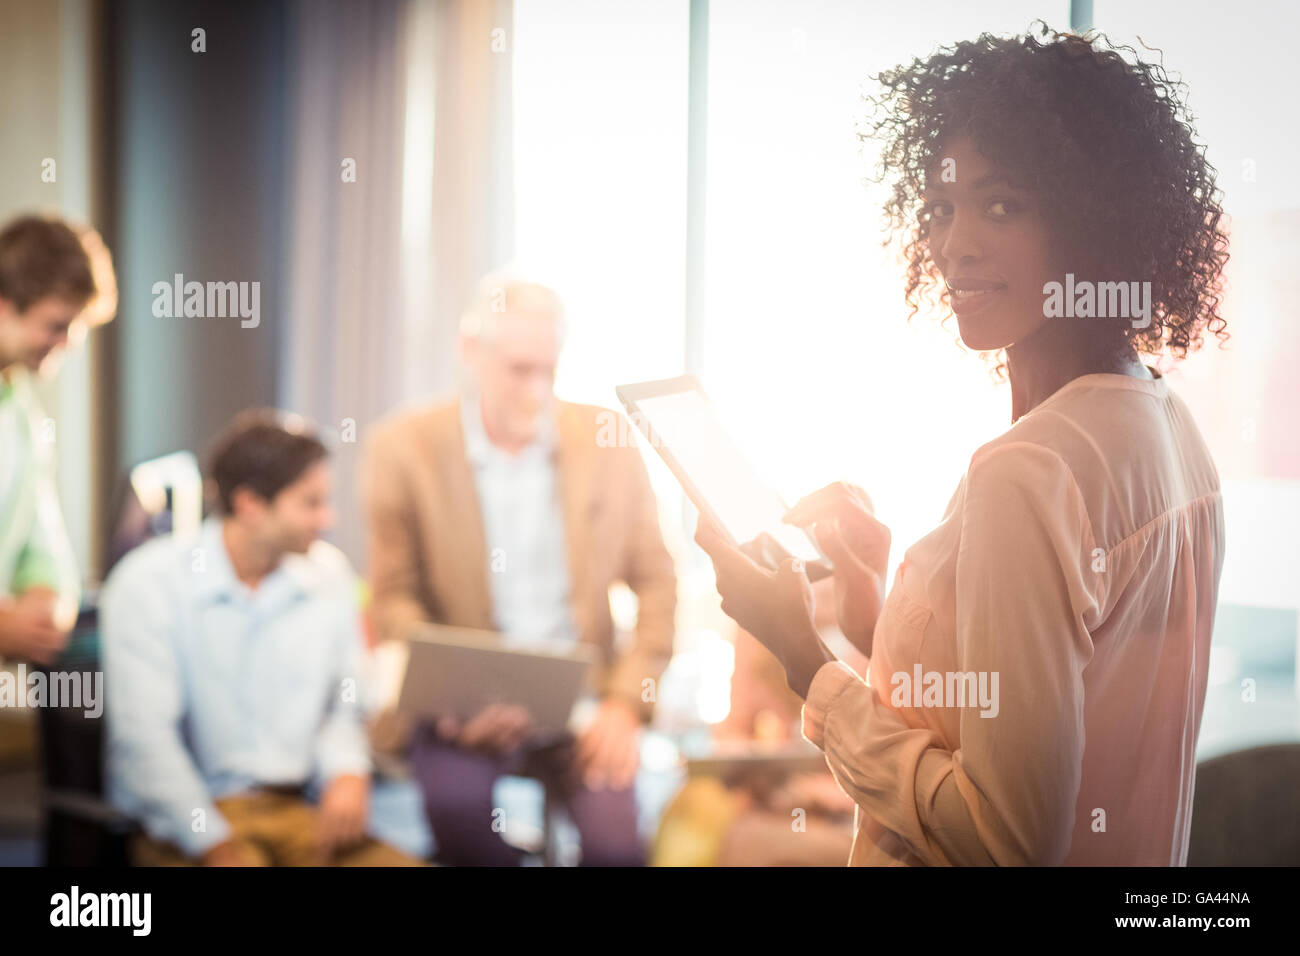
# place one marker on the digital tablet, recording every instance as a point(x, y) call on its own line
point(458, 671)
point(681, 424)
point(753, 759)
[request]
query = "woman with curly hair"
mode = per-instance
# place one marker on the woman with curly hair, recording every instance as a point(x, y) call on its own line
point(1037, 671)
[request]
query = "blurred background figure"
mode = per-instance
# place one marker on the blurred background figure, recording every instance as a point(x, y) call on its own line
point(234, 670)
point(502, 510)
point(767, 798)
point(49, 294)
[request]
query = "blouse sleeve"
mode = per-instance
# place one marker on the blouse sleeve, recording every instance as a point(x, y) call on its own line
point(1024, 587)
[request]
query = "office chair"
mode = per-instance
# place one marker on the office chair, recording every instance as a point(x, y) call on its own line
point(1244, 811)
point(80, 828)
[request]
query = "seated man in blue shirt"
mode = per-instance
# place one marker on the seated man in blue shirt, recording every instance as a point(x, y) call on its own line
point(233, 667)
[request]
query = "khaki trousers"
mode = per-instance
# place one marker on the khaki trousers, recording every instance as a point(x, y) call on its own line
point(273, 829)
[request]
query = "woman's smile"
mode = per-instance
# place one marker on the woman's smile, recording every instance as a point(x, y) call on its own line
point(970, 296)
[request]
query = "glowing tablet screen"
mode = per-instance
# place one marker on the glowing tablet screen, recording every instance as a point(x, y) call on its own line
point(687, 427)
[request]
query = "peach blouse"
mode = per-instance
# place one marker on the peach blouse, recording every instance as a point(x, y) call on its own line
point(1069, 594)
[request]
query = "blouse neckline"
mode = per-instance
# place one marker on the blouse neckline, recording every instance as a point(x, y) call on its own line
point(1156, 385)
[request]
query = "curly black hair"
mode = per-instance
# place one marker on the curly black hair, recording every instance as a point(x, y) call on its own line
point(1104, 144)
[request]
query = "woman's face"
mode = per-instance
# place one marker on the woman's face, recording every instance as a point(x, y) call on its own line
point(988, 241)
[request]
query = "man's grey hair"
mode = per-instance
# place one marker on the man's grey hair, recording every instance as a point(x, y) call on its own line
point(499, 295)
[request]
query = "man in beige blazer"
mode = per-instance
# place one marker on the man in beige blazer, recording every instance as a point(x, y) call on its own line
point(508, 509)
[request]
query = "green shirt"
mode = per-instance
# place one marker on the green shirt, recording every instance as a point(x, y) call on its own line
point(34, 547)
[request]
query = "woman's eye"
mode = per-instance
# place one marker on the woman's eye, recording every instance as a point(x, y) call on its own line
point(1001, 208)
point(938, 209)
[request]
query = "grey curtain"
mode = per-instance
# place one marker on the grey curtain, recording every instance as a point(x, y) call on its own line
point(341, 346)
point(417, 96)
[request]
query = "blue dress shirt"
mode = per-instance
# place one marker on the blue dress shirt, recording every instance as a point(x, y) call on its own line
point(523, 529)
point(213, 689)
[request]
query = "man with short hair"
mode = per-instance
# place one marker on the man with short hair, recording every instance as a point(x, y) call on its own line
point(504, 510)
point(233, 665)
point(54, 282)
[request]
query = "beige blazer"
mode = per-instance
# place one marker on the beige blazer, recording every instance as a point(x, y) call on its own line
point(427, 553)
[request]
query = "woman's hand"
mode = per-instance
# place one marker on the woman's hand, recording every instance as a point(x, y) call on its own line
point(775, 606)
point(843, 521)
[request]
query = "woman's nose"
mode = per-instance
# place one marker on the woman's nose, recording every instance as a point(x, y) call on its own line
point(963, 240)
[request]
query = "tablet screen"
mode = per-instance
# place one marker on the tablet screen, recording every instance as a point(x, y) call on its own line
point(689, 429)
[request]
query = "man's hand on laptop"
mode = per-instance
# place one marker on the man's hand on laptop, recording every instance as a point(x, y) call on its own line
point(608, 750)
point(498, 728)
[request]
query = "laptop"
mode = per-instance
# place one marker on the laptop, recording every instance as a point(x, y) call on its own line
point(458, 671)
